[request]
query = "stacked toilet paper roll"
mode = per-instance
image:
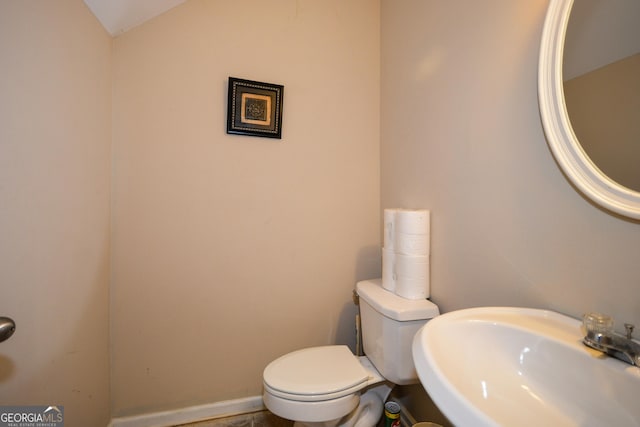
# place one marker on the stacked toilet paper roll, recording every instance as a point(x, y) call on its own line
point(405, 252)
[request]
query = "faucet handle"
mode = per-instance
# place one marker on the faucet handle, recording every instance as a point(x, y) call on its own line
point(628, 327)
point(596, 323)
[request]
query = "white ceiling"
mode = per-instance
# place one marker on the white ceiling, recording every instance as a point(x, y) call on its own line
point(600, 33)
point(118, 16)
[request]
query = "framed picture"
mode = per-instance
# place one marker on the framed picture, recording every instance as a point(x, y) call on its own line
point(254, 108)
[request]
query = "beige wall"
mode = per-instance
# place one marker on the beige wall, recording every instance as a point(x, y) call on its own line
point(461, 135)
point(231, 250)
point(55, 129)
point(604, 108)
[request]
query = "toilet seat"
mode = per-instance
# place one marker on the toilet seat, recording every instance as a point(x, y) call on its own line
point(316, 374)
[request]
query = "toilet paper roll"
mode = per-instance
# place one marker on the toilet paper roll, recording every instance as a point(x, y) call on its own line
point(389, 225)
point(412, 221)
point(412, 276)
point(388, 270)
point(412, 244)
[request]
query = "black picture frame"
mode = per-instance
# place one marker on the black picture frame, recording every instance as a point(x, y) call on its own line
point(254, 108)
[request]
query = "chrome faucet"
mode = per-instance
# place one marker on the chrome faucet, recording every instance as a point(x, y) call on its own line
point(599, 335)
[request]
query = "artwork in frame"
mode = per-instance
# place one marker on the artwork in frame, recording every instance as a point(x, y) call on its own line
point(254, 108)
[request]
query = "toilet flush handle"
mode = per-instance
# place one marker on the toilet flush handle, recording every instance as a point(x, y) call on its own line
point(7, 328)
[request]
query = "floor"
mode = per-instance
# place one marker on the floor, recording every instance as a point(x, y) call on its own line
point(255, 419)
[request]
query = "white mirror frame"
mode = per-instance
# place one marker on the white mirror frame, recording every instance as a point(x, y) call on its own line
point(564, 144)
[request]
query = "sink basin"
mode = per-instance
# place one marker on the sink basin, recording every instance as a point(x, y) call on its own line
point(503, 366)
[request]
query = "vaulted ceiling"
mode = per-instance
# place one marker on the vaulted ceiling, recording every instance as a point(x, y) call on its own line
point(118, 16)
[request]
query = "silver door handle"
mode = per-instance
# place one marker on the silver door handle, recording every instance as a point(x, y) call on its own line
point(7, 328)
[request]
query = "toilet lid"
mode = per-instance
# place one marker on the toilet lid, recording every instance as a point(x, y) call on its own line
point(315, 371)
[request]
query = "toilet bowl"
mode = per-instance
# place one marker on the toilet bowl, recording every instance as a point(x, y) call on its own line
point(323, 386)
point(328, 386)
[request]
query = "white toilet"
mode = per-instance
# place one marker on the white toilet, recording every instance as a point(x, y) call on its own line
point(329, 386)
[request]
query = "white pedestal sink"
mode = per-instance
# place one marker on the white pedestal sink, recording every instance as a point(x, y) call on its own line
point(501, 366)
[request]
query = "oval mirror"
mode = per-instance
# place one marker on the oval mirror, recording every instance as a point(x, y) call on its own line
point(578, 166)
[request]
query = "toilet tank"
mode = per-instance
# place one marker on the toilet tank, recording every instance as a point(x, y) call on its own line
point(388, 324)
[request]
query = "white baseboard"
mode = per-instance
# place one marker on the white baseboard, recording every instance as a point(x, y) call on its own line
point(226, 408)
point(191, 414)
